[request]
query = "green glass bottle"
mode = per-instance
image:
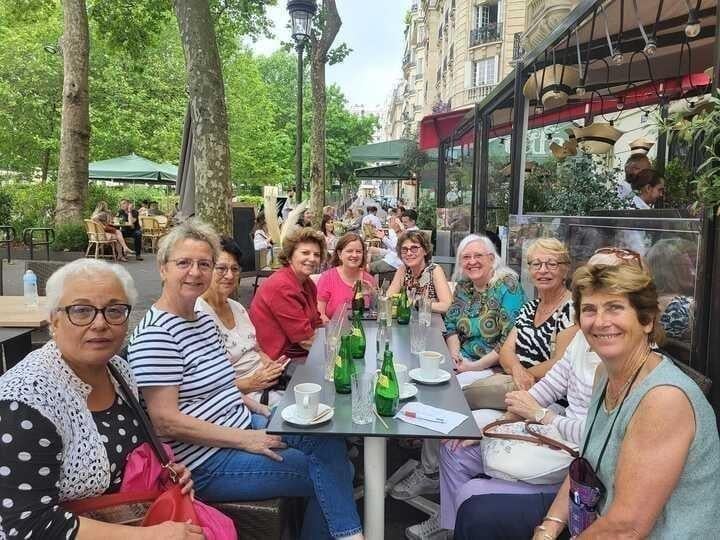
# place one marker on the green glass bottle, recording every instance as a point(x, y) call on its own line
point(358, 300)
point(403, 308)
point(357, 337)
point(344, 367)
point(387, 391)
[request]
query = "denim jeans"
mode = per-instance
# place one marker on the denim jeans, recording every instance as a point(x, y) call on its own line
point(312, 467)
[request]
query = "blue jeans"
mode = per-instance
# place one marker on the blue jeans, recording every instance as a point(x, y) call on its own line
point(312, 467)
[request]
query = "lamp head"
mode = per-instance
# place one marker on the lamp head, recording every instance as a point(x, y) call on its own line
point(692, 28)
point(301, 13)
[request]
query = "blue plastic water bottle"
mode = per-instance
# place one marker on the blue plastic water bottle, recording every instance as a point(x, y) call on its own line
point(30, 291)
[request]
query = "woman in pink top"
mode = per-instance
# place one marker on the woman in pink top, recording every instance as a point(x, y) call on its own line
point(335, 285)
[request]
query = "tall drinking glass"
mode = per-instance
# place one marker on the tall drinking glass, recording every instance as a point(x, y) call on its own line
point(425, 308)
point(363, 392)
point(331, 352)
point(418, 333)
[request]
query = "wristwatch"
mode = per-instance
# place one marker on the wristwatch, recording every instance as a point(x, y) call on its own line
point(540, 414)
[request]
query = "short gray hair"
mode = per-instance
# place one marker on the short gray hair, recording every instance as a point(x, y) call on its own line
point(88, 268)
point(500, 269)
point(191, 229)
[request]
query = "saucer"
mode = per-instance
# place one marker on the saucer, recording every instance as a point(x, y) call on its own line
point(288, 414)
point(407, 391)
point(440, 377)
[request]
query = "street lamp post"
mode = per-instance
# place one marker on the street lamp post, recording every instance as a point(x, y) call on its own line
point(301, 13)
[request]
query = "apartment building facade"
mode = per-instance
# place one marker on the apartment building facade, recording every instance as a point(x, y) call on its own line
point(456, 51)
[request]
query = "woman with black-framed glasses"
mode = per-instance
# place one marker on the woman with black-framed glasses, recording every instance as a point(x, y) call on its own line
point(418, 274)
point(256, 372)
point(67, 428)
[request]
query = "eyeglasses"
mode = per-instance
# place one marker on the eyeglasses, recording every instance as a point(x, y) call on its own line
point(203, 265)
point(84, 314)
point(622, 254)
point(410, 249)
point(474, 257)
point(551, 264)
point(222, 269)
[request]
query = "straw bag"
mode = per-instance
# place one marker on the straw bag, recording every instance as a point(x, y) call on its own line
point(525, 451)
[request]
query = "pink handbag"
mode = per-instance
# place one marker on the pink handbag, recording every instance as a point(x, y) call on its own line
point(143, 471)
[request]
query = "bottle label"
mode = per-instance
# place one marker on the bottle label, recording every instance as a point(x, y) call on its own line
point(383, 380)
point(338, 361)
point(356, 332)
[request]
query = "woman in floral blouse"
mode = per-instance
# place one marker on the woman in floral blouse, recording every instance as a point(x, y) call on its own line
point(487, 300)
point(418, 274)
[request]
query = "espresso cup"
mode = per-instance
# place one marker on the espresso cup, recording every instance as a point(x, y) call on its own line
point(430, 363)
point(307, 400)
point(401, 372)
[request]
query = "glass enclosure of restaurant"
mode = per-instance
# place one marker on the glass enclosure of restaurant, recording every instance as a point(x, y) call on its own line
point(670, 248)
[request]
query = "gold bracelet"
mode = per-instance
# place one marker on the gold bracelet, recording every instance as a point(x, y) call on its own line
point(555, 519)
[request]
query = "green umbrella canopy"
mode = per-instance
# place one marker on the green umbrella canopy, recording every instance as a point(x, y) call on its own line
point(382, 151)
point(133, 169)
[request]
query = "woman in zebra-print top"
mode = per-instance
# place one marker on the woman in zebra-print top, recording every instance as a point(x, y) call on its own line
point(525, 353)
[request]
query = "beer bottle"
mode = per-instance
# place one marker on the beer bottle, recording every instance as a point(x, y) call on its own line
point(344, 367)
point(358, 300)
point(403, 308)
point(357, 337)
point(387, 391)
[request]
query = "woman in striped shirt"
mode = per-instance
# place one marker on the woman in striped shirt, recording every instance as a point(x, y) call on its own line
point(182, 367)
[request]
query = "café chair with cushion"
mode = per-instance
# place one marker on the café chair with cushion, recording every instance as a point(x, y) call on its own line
point(99, 239)
point(151, 230)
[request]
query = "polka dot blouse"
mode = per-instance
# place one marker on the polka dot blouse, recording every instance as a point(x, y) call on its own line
point(31, 452)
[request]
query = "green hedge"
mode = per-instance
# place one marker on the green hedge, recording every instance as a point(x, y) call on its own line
point(29, 204)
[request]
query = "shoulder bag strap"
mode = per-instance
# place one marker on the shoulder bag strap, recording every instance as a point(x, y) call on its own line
point(141, 415)
point(549, 441)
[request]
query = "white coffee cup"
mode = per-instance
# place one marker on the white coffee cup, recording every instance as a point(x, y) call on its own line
point(307, 400)
point(430, 363)
point(401, 372)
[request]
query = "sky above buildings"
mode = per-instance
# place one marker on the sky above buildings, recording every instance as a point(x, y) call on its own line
point(373, 29)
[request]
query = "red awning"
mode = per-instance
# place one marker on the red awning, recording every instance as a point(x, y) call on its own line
point(436, 127)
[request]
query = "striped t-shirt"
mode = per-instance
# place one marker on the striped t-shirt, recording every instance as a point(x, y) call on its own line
point(533, 344)
point(167, 350)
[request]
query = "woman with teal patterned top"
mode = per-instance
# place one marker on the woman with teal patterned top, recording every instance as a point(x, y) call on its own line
point(487, 300)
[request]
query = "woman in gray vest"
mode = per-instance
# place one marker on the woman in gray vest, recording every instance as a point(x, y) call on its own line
point(651, 436)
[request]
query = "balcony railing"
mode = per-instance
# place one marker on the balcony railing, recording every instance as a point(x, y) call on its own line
point(486, 34)
point(478, 93)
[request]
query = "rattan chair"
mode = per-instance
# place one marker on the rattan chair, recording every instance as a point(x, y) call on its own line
point(151, 230)
point(99, 239)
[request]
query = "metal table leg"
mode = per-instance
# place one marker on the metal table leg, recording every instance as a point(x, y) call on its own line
point(375, 471)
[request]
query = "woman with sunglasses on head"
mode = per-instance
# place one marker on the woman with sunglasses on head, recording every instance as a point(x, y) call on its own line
point(418, 274)
point(256, 372)
point(529, 350)
point(180, 362)
point(650, 443)
point(67, 426)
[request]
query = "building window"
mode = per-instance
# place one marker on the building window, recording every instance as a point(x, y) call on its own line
point(487, 24)
point(484, 72)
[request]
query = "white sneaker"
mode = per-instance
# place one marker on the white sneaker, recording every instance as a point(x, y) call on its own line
point(417, 483)
point(427, 530)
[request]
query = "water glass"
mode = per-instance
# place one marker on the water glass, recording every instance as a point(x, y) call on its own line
point(418, 333)
point(331, 352)
point(425, 309)
point(363, 393)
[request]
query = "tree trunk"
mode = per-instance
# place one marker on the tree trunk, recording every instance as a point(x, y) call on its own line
point(211, 148)
point(75, 122)
point(321, 44)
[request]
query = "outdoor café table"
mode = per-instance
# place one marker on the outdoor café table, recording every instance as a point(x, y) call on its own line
point(17, 321)
point(446, 396)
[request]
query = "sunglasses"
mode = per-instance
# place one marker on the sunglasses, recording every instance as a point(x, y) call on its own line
point(622, 254)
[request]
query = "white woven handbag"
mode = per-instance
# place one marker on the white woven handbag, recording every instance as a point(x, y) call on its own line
point(526, 451)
